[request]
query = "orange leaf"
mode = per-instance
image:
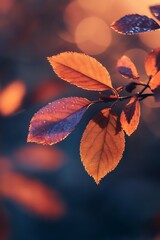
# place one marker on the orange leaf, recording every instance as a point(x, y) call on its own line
point(57, 120)
point(130, 116)
point(127, 68)
point(152, 62)
point(32, 194)
point(39, 157)
point(155, 86)
point(11, 97)
point(81, 70)
point(102, 145)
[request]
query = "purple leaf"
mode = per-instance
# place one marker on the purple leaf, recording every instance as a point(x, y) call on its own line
point(55, 121)
point(134, 23)
point(155, 10)
point(125, 72)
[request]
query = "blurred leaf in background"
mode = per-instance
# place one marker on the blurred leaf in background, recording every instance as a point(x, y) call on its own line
point(29, 32)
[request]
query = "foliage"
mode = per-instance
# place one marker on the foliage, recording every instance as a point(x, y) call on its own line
point(103, 141)
point(135, 23)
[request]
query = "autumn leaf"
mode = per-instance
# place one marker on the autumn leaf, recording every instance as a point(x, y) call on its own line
point(152, 62)
point(102, 145)
point(81, 70)
point(155, 86)
point(130, 116)
point(31, 194)
point(38, 157)
point(134, 23)
point(155, 10)
point(127, 68)
point(55, 121)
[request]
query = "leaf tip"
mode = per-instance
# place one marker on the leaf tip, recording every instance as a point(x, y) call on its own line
point(113, 27)
point(128, 133)
point(30, 139)
point(97, 181)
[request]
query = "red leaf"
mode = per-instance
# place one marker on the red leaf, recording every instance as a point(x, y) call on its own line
point(32, 194)
point(130, 116)
point(155, 10)
point(127, 68)
point(155, 86)
point(152, 62)
point(54, 122)
point(102, 145)
point(81, 70)
point(39, 157)
point(134, 23)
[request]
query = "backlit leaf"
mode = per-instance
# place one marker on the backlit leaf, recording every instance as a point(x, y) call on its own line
point(155, 86)
point(55, 121)
point(155, 10)
point(130, 116)
point(102, 145)
point(31, 194)
point(152, 62)
point(39, 157)
point(127, 68)
point(81, 70)
point(134, 23)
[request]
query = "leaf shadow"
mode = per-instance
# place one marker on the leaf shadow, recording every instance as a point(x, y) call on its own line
point(103, 121)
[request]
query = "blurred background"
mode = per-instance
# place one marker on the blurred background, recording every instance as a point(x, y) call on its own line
point(45, 191)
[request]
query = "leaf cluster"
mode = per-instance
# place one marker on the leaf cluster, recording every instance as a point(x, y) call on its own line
point(103, 141)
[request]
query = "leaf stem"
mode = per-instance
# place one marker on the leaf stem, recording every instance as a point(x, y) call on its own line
point(145, 86)
point(111, 98)
point(115, 92)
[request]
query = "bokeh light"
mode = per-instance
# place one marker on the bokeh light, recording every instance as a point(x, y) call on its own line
point(73, 14)
point(11, 97)
point(6, 6)
point(32, 194)
point(92, 35)
point(96, 6)
point(152, 39)
point(36, 181)
point(39, 157)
